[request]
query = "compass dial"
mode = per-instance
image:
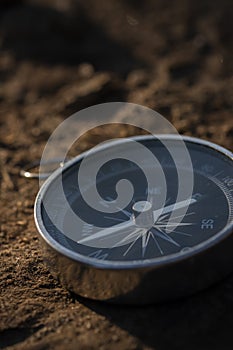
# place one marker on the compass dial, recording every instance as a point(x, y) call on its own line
point(159, 244)
point(141, 232)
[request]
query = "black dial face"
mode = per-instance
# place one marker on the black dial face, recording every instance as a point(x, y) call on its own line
point(121, 236)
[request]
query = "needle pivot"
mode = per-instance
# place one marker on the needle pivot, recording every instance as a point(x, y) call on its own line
point(143, 214)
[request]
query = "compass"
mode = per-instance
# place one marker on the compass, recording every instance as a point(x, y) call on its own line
point(157, 246)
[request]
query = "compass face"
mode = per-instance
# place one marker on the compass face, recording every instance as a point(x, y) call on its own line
point(123, 237)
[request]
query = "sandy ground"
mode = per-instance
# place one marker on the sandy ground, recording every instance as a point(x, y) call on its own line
point(57, 57)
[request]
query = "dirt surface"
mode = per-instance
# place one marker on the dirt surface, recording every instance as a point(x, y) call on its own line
point(57, 57)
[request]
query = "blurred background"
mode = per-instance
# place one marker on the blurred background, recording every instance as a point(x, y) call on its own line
point(60, 56)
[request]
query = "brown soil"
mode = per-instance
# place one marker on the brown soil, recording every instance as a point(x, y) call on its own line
point(58, 57)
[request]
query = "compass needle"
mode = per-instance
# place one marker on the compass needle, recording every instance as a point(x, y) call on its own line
point(106, 232)
point(170, 208)
point(174, 224)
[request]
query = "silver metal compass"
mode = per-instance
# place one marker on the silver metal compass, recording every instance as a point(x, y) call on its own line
point(141, 252)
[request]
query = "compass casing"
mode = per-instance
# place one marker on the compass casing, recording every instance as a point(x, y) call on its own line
point(158, 280)
point(156, 283)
